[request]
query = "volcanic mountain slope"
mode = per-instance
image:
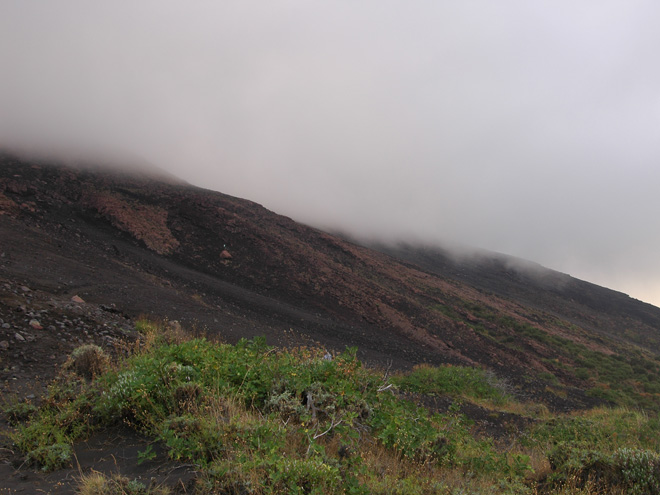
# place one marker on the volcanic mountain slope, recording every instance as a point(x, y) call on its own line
point(145, 245)
point(581, 303)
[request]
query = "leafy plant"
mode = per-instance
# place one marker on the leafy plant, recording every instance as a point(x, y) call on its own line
point(640, 470)
point(51, 457)
point(18, 412)
point(147, 454)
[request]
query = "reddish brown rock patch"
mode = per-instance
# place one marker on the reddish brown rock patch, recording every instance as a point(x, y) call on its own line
point(144, 222)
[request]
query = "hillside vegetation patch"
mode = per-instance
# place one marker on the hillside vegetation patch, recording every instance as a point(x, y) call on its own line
point(257, 419)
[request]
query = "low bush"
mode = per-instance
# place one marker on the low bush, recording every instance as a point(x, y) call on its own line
point(88, 361)
point(19, 412)
point(51, 457)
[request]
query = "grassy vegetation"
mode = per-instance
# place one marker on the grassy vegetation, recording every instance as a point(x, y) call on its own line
point(100, 484)
point(256, 419)
point(630, 377)
point(454, 381)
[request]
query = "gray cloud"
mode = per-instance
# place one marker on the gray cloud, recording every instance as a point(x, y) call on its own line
point(522, 127)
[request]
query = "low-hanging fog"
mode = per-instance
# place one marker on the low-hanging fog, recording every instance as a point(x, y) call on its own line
point(528, 128)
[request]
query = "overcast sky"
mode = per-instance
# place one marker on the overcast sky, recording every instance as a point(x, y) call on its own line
point(529, 128)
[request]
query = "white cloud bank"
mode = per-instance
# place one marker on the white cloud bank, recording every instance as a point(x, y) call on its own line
point(529, 128)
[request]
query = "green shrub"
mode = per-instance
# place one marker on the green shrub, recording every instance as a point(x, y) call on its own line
point(51, 457)
point(640, 470)
point(19, 412)
point(88, 361)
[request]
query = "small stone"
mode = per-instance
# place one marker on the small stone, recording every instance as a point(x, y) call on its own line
point(4, 345)
point(30, 396)
point(35, 324)
point(19, 337)
point(77, 299)
point(6, 325)
point(25, 289)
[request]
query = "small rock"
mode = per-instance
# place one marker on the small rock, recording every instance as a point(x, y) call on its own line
point(35, 324)
point(6, 325)
point(19, 337)
point(77, 299)
point(25, 289)
point(4, 345)
point(30, 396)
point(225, 255)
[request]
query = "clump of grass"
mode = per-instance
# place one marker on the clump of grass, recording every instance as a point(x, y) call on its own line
point(454, 381)
point(88, 361)
point(99, 484)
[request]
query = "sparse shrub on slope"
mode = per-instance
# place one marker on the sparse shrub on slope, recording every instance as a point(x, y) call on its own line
point(65, 415)
point(88, 361)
